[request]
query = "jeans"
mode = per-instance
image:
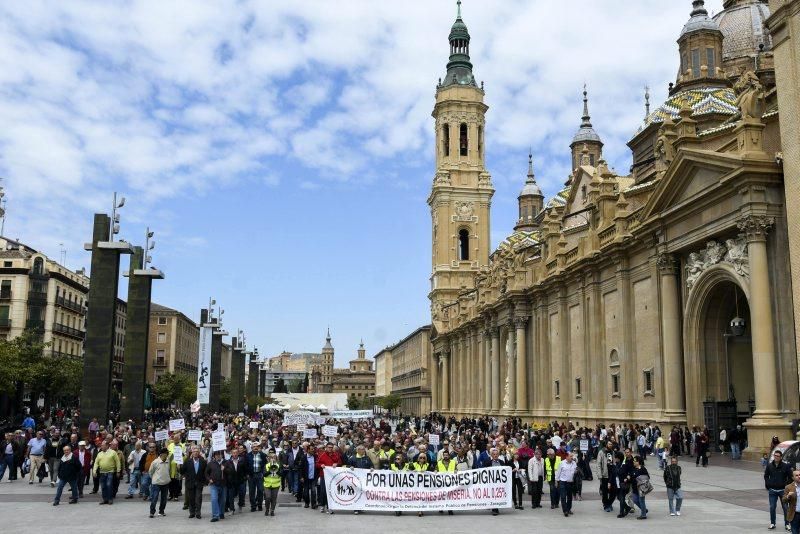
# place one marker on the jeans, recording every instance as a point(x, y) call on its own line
point(677, 495)
point(256, 486)
point(566, 496)
point(7, 461)
point(553, 494)
point(107, 486)
point(136, 476)
point(73, 486)
point(775, 498)
point(294, 482)
point(310, 492)
point(736, 454)
point(158, 493)
point(638, 500)
point(795, 524)
point(144, 486)
point(217, 501)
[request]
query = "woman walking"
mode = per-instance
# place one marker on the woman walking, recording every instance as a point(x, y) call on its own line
point(639, 480)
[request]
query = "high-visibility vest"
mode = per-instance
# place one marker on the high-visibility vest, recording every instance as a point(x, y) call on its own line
point(403, 467)
point(449, 468)
point(550, 467)
point(419, 467)
point(272, 479)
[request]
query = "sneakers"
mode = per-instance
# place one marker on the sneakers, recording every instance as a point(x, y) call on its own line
point(55, 503)
point(678, 512)
point(672, 514)
point(52, 484)
point(771, 526)
point(788, 528)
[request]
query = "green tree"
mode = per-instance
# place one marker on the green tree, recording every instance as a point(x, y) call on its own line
point(389, 402)
point(353, 403)
point(177, 388)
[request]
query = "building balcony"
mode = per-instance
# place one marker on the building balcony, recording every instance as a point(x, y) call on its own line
point(5, 323)
point(68, 331)
point(70, 305)
point(59, 354)
point(37, 296)
point(5, 295)
point(34, 324)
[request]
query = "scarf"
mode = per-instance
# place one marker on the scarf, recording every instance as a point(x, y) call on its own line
point(66, 457)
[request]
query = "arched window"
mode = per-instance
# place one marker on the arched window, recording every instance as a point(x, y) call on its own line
point(38, 266)
point(614, 368)
point(463, 244)
point(446, 139)
point(463, 143)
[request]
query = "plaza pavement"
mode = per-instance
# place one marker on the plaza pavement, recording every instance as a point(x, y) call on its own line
point(725, 497)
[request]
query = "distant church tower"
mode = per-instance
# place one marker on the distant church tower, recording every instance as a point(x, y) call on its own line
point(460, 199)
point(531, 201)
point(326, 366)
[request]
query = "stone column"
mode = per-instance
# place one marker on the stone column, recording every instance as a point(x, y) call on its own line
point(674, 400)
point(487, 371)
point(434, 382)
point(761, 322)
point(522, 365)
point(511, 359)
point(445, 381)
point(497, 395)
point(136, 336)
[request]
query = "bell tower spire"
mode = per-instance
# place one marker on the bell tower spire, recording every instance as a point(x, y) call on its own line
point(462, 190)
point(586, 137)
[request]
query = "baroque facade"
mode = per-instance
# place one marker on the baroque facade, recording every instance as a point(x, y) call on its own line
point(661, 295)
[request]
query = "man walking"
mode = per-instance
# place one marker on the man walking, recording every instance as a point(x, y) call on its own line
point(69, 469)
point(792, 503)
point(133, 462)
point(672, 480)
point(35, 453)
point(536, 478)
point(565, 476)
point(106, 465)
point(159, 482)
point(255, 476)
point(777, 476)
point(9, 449)
point(216, 483)
point(194, 472)
point(85, 458)
point(551, 464)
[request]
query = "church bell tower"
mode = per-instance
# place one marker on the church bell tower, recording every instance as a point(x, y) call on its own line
point(460, 198)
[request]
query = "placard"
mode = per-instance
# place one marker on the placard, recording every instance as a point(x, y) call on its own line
point(195, 435)
point(253, 424)
point(584, 445)
point(330, 431)
point(177, 455)
point(220, 427)
point(310, 433)
point(176, 424)
point(161, 435)
point(302, 427)
point(433, 439)
point(218, 441)
point(320, 421)
point(351, 414)
point(300, 416)
point(367, 489)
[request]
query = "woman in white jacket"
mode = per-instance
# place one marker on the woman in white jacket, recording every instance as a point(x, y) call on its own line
point(536, 478)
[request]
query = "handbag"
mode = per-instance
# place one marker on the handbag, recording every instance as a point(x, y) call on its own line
point(643, 482)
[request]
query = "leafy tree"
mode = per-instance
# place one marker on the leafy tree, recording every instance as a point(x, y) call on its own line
point(353, 403)
point(389, 402)
point(177, 388)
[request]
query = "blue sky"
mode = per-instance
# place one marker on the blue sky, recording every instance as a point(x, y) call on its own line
point(282, 150)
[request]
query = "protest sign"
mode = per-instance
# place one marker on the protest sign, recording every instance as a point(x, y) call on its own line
point(220, 427)
point(584, 445)
point(433, 439)
point(300, 417)
point(253, 424)
point(218, 441)
point(330, 431)
point(351, 414)
point(176, 424)
point(310, 433)
point(195, 435)
point(161, 435)
point(417, 491)
point(177, 455)
point(320, 421)
point(302, 427)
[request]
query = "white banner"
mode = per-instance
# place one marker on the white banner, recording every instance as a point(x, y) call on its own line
point(330, 431)
point(310, 433)
point(253, 424)
point(351, 414)
point(218, 441)
point(413, 491)
point(177, 455)
point(300, 417)
point(195, 435)
point(204, 365)
point(176, 424)
point(161, 435)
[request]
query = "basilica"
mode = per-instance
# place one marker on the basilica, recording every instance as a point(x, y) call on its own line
point(662, 295)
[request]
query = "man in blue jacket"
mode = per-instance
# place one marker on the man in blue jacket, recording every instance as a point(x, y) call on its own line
point(256, 460)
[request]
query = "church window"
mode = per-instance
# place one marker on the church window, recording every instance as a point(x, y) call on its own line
point(583, 191)
point(557, 387)
point(462, 140)
point(711, 61)
point(591, 160)
point(695, 63)
point(648, 382)
point(480, 141)
point(614, 365)
point(446, 139)
point(615, 385)
point(684, 66)
point(463, 244)
point(578, 393)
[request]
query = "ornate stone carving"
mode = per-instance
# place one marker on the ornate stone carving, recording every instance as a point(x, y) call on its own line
point(733, 252)
point(750, 96)
point(664, 149)
point(464, 211)
point(756, 227)
point(520, 322)
point(667, 263)
point(442, 178)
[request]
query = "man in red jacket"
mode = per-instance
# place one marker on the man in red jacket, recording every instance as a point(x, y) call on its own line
point(326, 458)
point(84, 456)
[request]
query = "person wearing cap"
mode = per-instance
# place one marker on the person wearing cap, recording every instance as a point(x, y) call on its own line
point(84, 456)
point(159, 482)
point(216, 485)
point(272, 482)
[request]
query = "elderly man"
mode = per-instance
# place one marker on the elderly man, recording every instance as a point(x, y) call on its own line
point(255, 462)
point(133, 461)
point(9, 449)
point(494, 461)
point(159, 482)
point(792, 504)
point(84, 456)
point(565, 477)
point(106, 465)
point(194, 472)
point(69, 469)
point(35, 452)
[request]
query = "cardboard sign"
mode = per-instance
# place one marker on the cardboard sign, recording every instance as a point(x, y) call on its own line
point(176, 424)
point(161, 435)
point(241, 414)
point(584, 445)
point(320, 421)
point(177, 455)
point(302, 427)
point(218, 441)
point(433, 439)
point(195, 435)
point(330, 431)
point(220, 427)
point(253, 424)
point(310, 433)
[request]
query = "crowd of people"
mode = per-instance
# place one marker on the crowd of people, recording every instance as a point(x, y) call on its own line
point(263, 457)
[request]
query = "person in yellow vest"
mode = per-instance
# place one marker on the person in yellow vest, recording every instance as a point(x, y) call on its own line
point(551, 464)
point(421, 465)
point(174, 475)
point(272, 482)
point(446, 465)
point(399, 464)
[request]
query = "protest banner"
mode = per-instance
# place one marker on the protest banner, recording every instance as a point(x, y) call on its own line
point(176, 424)
point(177, 455)
point(218, 441)
point(300, 417)
point(301, 427)
point(584, 444)
point(253, 424)
point(433, 439)
point(195, 435)
point(330, 431)
point(351, 414)
point(161, 435)
point(310, 433)
point(417, 491)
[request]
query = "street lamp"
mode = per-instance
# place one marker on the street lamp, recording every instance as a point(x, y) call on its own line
point(148, 246)
point(115, 216)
